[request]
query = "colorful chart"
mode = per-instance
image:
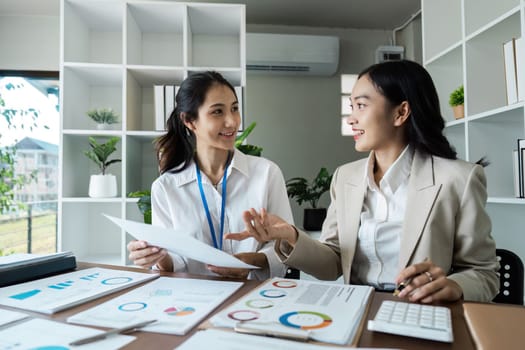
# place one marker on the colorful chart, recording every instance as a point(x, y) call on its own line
point(273, 293)
point(62, 285)
point(25, 295)
point(244, 315)
point(305, 320)
point(175, 311)
point(259, 303)
point(133, 306)
point(116, 280)
point(90, 277)
point(285, 284)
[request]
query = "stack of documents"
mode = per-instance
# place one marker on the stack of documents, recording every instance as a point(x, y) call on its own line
point(178, 304)
point(17, 268)
point(52, 294)
point(299, 309)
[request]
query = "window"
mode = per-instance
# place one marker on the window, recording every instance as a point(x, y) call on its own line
point(29, 131)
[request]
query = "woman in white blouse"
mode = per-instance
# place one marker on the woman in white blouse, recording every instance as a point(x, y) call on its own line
point(411, 212)
point(206, 183)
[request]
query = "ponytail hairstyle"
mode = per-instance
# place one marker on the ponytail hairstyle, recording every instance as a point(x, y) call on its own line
point(405, 80)
point(176, 149)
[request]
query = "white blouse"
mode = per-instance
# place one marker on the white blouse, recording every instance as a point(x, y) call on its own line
point(252, 182)
point(377, 251)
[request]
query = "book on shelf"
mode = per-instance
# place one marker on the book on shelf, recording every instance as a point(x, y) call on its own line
point(299, 309)
point(509, 54)
point(516, 173)
point(520, 67)
point(169, 101)
point(158, 100)
point(520, 172)
point(240, 97)
point(495, 326)
point(18, 268)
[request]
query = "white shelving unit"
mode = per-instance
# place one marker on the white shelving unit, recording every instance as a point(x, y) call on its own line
point(112, 53)
point(468, 50)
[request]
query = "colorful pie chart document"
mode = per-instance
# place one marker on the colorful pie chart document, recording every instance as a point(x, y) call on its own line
point(321, 311)
point(40, 334)
point(178, 304)
point(52, 294)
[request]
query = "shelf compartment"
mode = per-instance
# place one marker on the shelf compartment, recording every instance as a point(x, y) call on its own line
point(479, 13)
point(139, 98)
point(89, 235)
point(77, 168)
point(438, 37)
point(155, 33)
point(215, 33)
point(234, 76)
point(485, 66)
point(496, 138)
point(456, 136)
point(92, 31)
point(87, 87)
point(141, 163)
point(447, 74)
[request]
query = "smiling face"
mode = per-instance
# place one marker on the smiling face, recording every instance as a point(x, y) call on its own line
point(218, 119)
point(377, 124)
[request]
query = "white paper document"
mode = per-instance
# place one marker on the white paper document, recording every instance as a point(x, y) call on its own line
point(326, 312)
point(178, 304)
point(45, 334)
point(52, 294)
point(180, 243)
point(224, 340)
point(8, 316)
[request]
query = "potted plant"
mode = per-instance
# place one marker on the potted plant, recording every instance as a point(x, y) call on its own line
point(103, 184)
point(144, 203)
point(246, 148)
point(303, 191)
point(104, 117)
point(456, 101)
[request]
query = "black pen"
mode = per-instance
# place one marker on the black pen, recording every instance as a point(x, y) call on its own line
point(104, 335)
point(404, 283)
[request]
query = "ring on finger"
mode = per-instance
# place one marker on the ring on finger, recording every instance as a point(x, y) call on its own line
point(429, 275)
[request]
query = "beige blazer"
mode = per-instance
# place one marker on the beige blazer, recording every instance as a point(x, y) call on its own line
point(445, 221)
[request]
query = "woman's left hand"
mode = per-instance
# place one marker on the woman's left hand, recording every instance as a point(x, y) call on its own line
point(428, 284)
point(256, 259)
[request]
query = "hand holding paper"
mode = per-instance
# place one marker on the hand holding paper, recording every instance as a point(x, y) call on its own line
point(180, 244)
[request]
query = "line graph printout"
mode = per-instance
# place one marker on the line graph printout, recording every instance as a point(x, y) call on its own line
point(327, 312)
point(178, 304)
point(52, 294)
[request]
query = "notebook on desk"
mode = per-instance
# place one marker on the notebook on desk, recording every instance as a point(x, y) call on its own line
point(495, 326)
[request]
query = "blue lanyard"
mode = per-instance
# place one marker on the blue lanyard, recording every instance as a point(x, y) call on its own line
point(205, 203)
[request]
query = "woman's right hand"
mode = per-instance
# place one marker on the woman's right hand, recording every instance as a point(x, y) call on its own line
point(146, 256)
point(265, 227)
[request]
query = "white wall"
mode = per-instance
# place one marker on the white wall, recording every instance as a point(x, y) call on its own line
point(30, 42)
point(298, 118)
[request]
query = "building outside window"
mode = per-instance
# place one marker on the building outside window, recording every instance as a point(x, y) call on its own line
point(29, 130)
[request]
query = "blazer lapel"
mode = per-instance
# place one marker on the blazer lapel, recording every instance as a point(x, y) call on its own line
point(422, 193)
point(354, 194)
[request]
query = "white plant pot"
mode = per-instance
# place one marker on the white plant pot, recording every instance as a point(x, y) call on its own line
point(104, 126)
point(101, 186)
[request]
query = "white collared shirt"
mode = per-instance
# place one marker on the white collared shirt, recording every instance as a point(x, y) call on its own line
point(252, 182)
point(377, 251)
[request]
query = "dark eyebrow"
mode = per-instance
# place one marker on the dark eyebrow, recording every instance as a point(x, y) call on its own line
point(217, 105)
point(361, 96)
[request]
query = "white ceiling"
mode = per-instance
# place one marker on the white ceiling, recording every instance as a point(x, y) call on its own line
point(360, 14)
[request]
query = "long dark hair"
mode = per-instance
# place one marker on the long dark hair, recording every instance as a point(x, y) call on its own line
point(176, 148)
point(405, 80)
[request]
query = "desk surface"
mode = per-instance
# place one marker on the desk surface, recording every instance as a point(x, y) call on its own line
point(146, 340)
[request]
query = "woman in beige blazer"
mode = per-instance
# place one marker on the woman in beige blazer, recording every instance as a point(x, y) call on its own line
point(411, 213)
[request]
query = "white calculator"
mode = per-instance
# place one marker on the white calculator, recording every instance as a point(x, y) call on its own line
point(413, 320)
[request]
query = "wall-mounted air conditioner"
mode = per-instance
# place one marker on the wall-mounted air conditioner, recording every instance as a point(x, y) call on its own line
point(292, 54)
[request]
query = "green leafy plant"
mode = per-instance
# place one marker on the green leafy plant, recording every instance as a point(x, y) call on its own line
point(103, 116)
point(247, 148)
point(456, 97)
point(144, 203)
point(100, 152)
point(10, 181)
point(301, 190)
